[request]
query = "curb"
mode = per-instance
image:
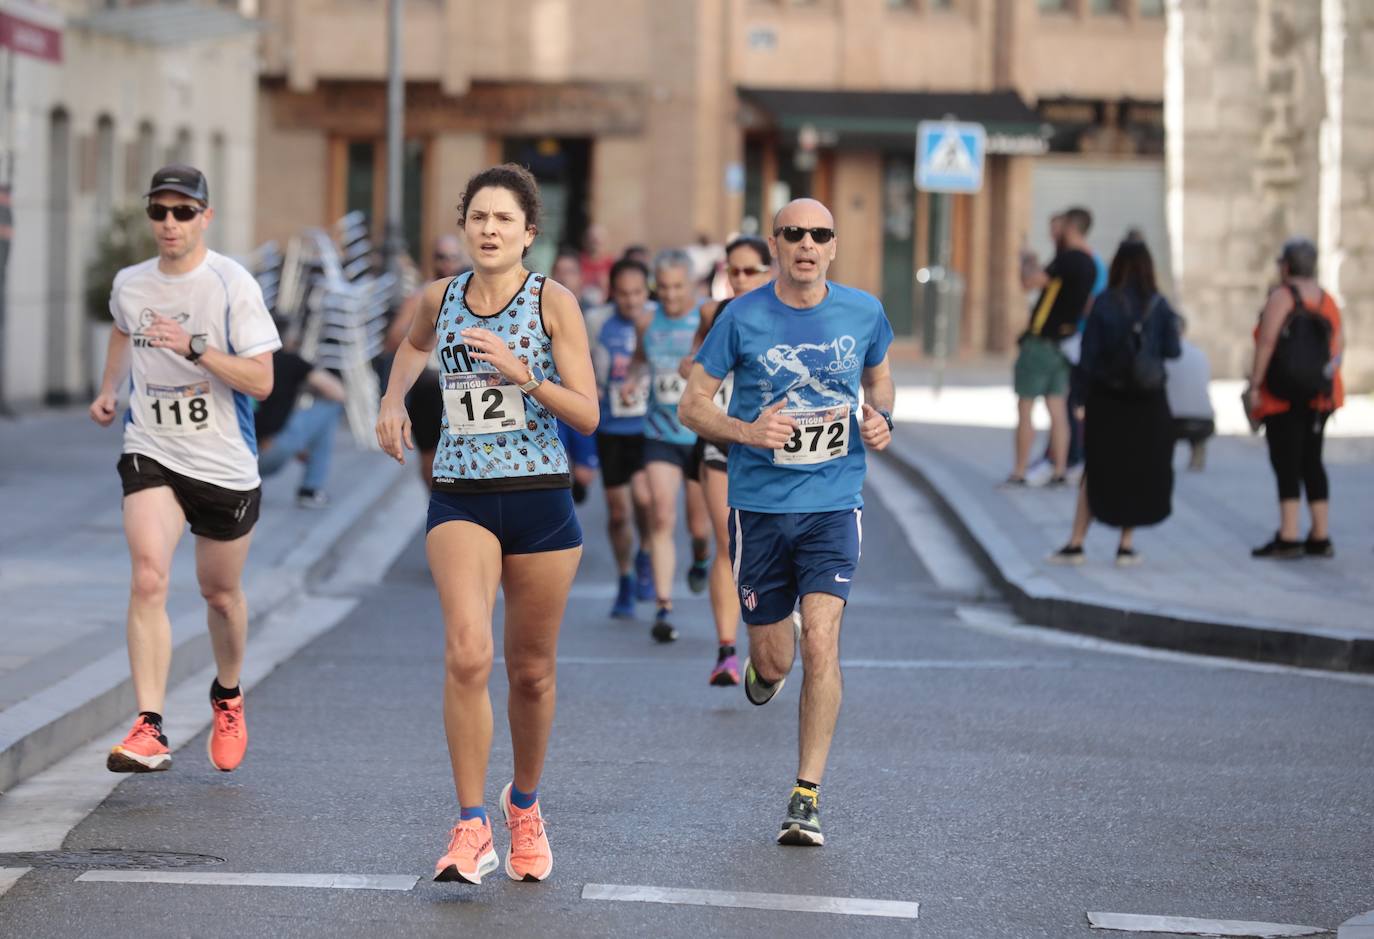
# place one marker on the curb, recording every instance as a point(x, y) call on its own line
point(1361, 927)
point(1037, 599)
point(40, 730)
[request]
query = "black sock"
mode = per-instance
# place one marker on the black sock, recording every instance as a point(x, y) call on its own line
point(701, 550)
point(152, 717)
point(726, 649)
point(804, 784)
point(221, 693)
point(307, 493)
point(664, 609)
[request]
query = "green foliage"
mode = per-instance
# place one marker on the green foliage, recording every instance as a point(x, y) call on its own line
point(127, 240)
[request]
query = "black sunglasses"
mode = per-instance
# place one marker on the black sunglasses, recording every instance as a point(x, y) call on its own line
point(795, 233)
point(182, 213)
point(741, 271)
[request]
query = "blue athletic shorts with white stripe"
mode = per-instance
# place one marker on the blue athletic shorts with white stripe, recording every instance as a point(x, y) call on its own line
point(779, 558)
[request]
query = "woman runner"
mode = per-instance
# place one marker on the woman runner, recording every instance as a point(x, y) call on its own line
point(514, 359)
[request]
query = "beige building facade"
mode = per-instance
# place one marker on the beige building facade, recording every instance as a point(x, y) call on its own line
point(117, 93)
point(669, 120)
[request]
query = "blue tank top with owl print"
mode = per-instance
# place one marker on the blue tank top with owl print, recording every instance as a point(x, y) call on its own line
point(493, 437)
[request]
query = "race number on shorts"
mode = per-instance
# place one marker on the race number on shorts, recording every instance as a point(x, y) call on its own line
point(636, 406)
point(179, 410)
point(821, 434)
point(668, 388)
point(479, 403)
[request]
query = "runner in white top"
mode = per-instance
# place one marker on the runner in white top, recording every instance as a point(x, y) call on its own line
point(193, 326)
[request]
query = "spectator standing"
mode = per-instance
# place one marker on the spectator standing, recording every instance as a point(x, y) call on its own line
point(1128, 475)
point(596, 265)
point(1189, 377)
point(1295, 418)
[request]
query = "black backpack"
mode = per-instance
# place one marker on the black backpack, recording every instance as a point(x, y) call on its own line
point(1133, 366)
point(1297, 370)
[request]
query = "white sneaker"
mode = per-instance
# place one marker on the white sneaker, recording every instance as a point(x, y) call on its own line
point(1039, 472)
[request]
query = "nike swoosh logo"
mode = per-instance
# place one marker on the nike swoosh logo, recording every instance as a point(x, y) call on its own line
point(841, 580)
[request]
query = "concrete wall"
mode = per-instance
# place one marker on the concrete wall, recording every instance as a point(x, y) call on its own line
point(206, 90)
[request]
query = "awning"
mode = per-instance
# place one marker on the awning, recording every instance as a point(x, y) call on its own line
point(887, 119)
point(165, 24)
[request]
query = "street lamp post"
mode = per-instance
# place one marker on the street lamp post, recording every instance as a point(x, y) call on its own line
point(394, 239)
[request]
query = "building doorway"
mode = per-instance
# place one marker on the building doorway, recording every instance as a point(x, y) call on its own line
point(562, 165)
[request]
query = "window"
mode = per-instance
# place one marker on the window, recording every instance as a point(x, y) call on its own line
point(1109, 7)
point(1151, 7)
point(901, 4)
point(1054, 6)
point(104, 169)
point(145, 159)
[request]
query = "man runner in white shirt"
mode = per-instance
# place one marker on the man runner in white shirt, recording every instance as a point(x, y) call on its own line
point(193, 326)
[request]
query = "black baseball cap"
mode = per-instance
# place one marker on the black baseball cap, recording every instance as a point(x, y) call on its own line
point(178, 177)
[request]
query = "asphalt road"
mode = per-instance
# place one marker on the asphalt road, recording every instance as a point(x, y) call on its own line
point(1006, 784)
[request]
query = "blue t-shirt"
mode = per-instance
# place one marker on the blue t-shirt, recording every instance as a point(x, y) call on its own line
point(815, 357)
point(613, 341)
point(667, 341)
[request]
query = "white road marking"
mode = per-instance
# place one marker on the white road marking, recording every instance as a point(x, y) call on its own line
point(229, 879)
point(9, 876)
point(1008, 625)
point(847, 906)
point(898, 664)
point(1188, 926)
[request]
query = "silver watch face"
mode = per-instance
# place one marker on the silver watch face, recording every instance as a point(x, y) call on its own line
point(198, 345)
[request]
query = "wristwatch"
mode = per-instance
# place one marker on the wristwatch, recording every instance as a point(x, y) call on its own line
point(887, 416)
point(536, 379)
point(198, 347)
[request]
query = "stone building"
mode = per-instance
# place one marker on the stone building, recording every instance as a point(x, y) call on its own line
point(103, 94)
point(1270, 115)
point(663, 120)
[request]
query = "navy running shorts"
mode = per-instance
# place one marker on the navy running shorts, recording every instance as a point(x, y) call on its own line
point(527, 521)
point(779, 558)
point(681, 455)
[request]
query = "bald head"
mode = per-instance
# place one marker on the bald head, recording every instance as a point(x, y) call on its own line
point(807, 213)
point(803, 241)
point(449, 256)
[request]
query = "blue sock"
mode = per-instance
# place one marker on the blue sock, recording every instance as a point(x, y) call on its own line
point(523, 800)
point(476, 811)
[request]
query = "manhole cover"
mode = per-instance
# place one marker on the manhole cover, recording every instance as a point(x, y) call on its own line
point(107, 858)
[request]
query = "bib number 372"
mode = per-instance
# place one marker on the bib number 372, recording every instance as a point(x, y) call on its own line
point(478, 403)
point(821, 434)
point(179, 410)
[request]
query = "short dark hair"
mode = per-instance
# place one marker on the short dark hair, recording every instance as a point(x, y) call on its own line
point(1133, 269)
point(1080, 218)
point(1299, 255)
point(515, 179)
point(626, 264)
point(759, 246)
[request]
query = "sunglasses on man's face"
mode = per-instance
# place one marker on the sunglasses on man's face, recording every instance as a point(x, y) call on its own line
point(746, 271)
point(182, 213)
point(795, 233)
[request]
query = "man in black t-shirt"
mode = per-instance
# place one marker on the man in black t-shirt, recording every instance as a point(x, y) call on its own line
point(286, 431)
point(1041, 369)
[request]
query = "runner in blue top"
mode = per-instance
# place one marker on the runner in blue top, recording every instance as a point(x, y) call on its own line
point(668, 446)
point(800, 350)
point(513, 353)
point(614, 333)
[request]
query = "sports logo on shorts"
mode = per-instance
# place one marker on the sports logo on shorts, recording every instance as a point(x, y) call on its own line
point(748, 598)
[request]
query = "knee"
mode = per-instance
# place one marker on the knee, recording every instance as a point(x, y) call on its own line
point(468, 662)
point(617, 516)
point(149, 583)
point(662, 516)
point(532, 678)
point(820, 646)
point(222, 601)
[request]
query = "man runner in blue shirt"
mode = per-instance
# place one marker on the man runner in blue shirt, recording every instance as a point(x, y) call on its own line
point(800, 349)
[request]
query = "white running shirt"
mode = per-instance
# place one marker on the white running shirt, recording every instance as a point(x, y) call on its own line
point(179, 414)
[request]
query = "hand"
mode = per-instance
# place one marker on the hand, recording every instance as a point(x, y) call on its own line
point(772, 429)
point(873, 429)
point(684, 368)
point(630, 392)
point(1252, 399)
point(488, 347)
point(393, 429)
point(167, 333)
point(103, 410)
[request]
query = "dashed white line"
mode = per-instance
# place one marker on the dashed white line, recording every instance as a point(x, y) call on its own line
point(1190, 926)
point(845, 906)
point(229, 879)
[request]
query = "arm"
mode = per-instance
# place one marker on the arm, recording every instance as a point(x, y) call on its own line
point(1276, 310)
point(400, 325)
point(708, 316)
point(250, 374)
point(323, 384)
point(879, 395)
point(116, 368)
point(393, 421)
point(698, 412)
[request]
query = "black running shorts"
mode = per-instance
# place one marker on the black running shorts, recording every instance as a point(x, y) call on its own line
point(214, 512)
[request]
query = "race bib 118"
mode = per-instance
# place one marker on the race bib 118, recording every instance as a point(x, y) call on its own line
point(179, 410)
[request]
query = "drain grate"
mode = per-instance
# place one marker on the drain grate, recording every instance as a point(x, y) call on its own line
point(108, 858)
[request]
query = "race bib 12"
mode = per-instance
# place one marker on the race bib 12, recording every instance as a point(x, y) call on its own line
point(481, 403)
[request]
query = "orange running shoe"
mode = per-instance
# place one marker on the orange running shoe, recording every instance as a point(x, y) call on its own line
point(228, 736)
point(470, 853)
point(530, 857)
point(143, 751)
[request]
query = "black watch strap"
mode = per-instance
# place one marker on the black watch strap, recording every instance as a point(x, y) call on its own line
point(193, 355)
point(887, 416)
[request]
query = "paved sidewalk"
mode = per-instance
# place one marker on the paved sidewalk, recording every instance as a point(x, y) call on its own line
point(64, 575)
point(1198, 588)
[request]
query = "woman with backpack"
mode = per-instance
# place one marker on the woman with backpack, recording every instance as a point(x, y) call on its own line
point(1295, 385)
point(1128, 477)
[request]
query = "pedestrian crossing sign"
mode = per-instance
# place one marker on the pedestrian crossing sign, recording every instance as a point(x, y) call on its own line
point(949, 156)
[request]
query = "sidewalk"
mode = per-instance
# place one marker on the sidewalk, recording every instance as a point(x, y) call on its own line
point(64, 576)
point(1198, 589)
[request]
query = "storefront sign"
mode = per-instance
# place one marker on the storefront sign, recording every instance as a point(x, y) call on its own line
point(31, 39)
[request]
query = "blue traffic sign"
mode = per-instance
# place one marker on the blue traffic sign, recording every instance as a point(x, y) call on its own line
point(949, 156)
